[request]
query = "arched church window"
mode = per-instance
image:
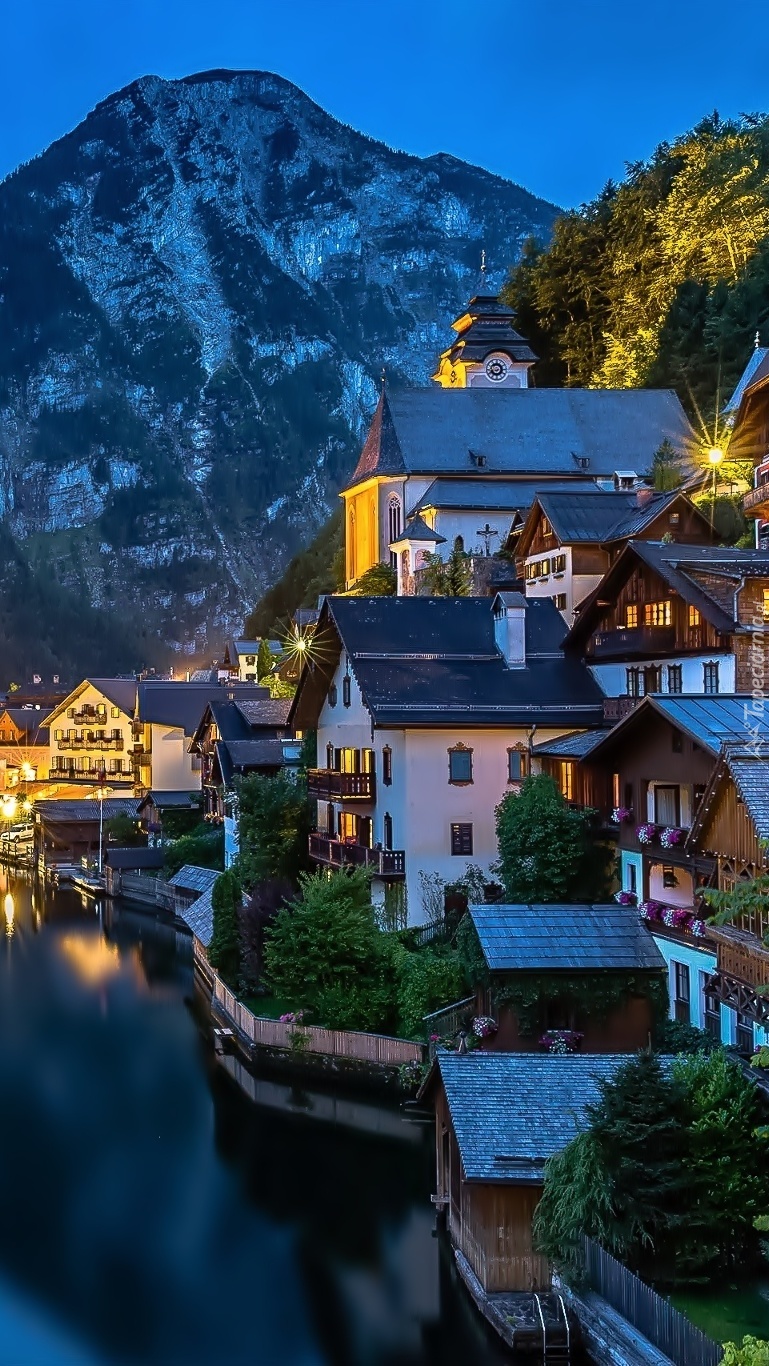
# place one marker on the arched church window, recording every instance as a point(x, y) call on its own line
point(372, 537)
point(393, 517)
point(459, 543)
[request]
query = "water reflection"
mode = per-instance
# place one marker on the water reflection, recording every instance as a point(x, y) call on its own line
point(163, 1215)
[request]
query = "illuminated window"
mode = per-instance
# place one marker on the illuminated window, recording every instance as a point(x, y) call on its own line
point(460, 765)
point(547, 530)
point(559, 564)
point(115, 711)
point(544, 568)
point(766, 603)
point(567, 779)
point(560, 601)
point(462, 839)
point(694, 616)
point(658, 613)
point(631, 614)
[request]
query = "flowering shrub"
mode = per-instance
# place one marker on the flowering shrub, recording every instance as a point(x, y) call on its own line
point(292, 1018)
point(626, 898)
point(671, 836)
point(484, 1027)
point(621, 814)
point(651, 910)
point(645, 833)
point(561, 1040)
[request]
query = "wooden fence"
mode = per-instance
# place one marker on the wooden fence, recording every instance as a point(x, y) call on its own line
point(648, 1312)
point(336, 1043)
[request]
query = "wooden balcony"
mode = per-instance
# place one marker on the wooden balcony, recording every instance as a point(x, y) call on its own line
point(384, 863)
point(742, 976)
point(634, 642)
point(327, 785)
point(756, 502)
point(92, 742)
point(617, 708)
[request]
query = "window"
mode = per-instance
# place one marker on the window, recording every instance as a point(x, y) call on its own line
point(743, 1039)
point(388, 830)
point(115, 711)
point(348, 826)
point(631, 614)
point(615, 790)
point(329, 756)
point(101, 708)
point(711, 1009)
point(332, 695)
point(675, 518)
point(462, 839)
point(682, 1003)
point(544, 568)
point(675, 678)
point(653, 678)
point(460, 765)
point(387, 766)
point(250, 659)
point(58, 735)
point(632, 878)
point(517, 765)
point(633, 682)
point(667, 804)
point(766, 604)
point(658, 613)
point(710, 677)
point(694, 616)
point(559, 564)
point(346, 693)
point(567, 779)
point(547, 530)
point(560, 601)
point(669, 878)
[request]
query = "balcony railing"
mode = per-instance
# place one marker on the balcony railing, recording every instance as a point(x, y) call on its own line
point(386, 863)
point(92, 742)
point(617, 708)
point(328, 785)
point(88, 716)
point(756, 502)
point(633, 641)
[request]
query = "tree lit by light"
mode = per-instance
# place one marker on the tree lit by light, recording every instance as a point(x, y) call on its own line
point(92, 958)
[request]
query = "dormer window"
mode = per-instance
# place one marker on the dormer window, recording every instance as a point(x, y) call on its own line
point(479, 461)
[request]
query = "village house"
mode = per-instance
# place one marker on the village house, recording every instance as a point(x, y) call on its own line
point(676, 619)
point(91, 734)
point(569, 540)
point(747, 413)
point(498, 1118)
point(469, 457)
point(239, 660)
point(65, 832)
point(24, 749)
point(592, 971)
point(424, 710)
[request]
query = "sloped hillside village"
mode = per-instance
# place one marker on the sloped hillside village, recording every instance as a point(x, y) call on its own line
point(527, 745)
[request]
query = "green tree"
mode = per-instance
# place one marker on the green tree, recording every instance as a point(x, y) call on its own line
point(547, 852)
point(427, 979)
point(203, 847)
point(264, 660)
point(666, 468)
point(122, 829)
point(450, 578)
point(746, 899)
point(224, 949)
point(325, 954)
point(380, 581)
point(751, 1352)
point(274, 822)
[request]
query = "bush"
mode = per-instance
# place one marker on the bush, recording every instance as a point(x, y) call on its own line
point(224, 949)
point(675, 1036)
point(427, 979)
point(547, 852)
point(752, 1352)
point(204, 848)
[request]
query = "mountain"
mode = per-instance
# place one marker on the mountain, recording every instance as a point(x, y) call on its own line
point(199, 287)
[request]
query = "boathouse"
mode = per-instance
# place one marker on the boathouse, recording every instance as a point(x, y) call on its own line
point(498, 1118)
point(593, 971)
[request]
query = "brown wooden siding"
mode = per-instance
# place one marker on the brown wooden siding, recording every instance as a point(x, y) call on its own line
point(496, 1236)
point(728, 831)
point(645, 586)
point(623, 1031)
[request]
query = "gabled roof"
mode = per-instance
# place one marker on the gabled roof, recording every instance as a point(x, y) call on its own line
point(758, 356)
point(245, 756)
point(433, 662)
point(270, 712)
point(118, 857)
point(163, 799)
point(512, 1111)
point(710, 720)
point(183, 704)
point(575, 746)
point(191, 878)
point(684, 568)
point(747, 765)
point(25, 718)
point(572, 938)
point(520, 431)
point(416, 529)
point(89, 809)
point(120, 692)
point(582, 515)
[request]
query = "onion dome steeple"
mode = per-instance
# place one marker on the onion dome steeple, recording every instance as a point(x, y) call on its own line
point(487, 353)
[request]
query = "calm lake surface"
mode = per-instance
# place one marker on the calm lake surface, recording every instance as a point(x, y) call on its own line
point(155, 1211)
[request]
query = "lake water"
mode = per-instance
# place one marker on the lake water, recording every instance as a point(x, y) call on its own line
point(153, 1212)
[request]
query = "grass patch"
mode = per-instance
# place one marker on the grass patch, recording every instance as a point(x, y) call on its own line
point(728, 1314)
point(269, 1007)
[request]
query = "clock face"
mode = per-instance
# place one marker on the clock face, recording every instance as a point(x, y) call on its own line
point(496, 368)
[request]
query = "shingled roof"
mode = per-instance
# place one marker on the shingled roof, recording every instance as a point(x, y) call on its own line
point(521, 431)
point(748, 767)
point(512, 1111)
point(576, 938)
point(575, 746)
point(711, 720)
point(433, 662)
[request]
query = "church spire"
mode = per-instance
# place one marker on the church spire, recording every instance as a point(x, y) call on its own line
point(488, 352)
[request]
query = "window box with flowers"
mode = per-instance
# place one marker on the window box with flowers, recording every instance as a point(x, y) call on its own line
point(626, 898)
point(674, 917)
point(561, 1040)
point(672, 836)
point(622, 815)
point(646, 833)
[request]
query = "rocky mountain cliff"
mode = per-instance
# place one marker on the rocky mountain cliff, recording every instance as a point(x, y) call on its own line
point(199, 287)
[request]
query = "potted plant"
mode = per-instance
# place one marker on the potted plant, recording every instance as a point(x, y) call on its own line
point(561, 1041)
point(622, 815)
point(626, 898)
point(645, 833)
point(672, 836)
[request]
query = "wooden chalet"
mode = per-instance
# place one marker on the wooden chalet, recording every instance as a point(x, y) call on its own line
point(543, 964)
point(498, 1118)
point(236, 737)
point(732, 827)
point(748, 412)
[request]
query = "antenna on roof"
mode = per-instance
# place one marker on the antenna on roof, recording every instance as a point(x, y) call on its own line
point(757, 342)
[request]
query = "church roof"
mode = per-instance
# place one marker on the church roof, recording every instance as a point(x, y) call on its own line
point(416, 529)
point(520, 432)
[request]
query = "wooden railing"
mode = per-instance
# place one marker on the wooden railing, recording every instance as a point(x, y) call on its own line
point(335, 1043)
point(617, 708)
point(447, 1021)
point(92, 742)
point(326, 784)
point(757, 498)
point(633, 640)
point(387, 863)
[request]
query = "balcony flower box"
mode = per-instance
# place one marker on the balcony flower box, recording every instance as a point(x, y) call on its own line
point(675, 917)
point(672, 836)
point(626, 898)
point(646, 833)
point(561, 1040)
point(622, 815)
point(652, 910)
point(484, 1027)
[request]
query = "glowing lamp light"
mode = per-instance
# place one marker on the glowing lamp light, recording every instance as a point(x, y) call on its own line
point(8, 808)
point(715, 455)
point(27, 773)
point(9, 910)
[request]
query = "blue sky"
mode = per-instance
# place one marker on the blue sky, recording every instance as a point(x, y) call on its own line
point(555, 95)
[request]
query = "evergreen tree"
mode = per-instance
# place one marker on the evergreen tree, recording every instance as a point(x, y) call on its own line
point(264, 660)
point(224, 949)
point(546, 849)
point(666, 468)
point(380, 581)
point(450, 578)
point(274, 826)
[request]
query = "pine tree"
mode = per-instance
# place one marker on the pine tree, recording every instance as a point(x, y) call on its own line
point(224, 949)
point(451, 578)
point(264, 660)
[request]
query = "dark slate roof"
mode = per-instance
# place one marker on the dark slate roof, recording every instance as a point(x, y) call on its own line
point(183, 704)
point(271, 712)
point(191, 878)
point(575, 746)
point(521, 431)
point(757, 357)
point(199, 917)
point(163, 799)
point(601, 517)
point(121, 692)
point(576, 938)
point(88, 809)
point(416, 529)
point(512, 1111)
point(240, 756)
point(134, 858)
point(476, 493)
point(433, 662)
point(27, 718)
point(751, 777)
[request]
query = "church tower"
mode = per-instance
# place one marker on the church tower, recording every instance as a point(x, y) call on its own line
point(488, 353)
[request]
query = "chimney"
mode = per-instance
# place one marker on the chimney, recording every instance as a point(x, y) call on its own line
point(643, 496)
point(510, 628)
